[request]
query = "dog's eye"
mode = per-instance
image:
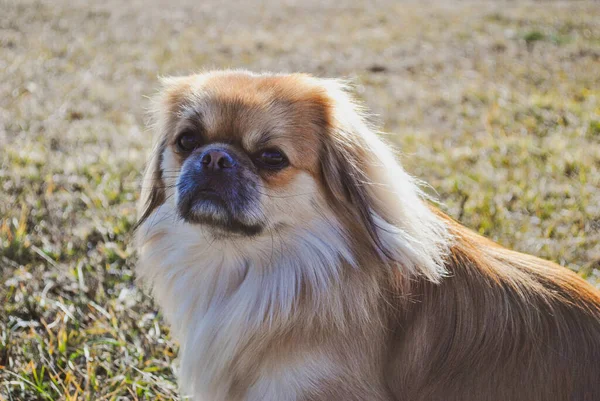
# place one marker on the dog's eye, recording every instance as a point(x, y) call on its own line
point(271, 159)
point(187, 142)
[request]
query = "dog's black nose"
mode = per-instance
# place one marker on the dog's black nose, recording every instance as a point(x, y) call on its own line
point(214, 159)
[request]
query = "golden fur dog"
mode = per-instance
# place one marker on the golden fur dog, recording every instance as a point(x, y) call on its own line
point(296, 260)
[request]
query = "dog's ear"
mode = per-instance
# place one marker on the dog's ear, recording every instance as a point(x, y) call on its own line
point(165, 106)
point(349, 191)
point(153, 186)
point(346, 162)
point(348, 186)
point(369, 189)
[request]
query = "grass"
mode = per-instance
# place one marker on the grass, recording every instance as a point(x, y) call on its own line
point(497, 106)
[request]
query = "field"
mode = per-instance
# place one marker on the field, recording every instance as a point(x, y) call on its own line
point(495, 105)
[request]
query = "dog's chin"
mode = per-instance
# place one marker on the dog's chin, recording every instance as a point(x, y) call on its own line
point(213, 214)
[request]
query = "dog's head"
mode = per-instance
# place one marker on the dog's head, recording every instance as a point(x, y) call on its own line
point(245, 155)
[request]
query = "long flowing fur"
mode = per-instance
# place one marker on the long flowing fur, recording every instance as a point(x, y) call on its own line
point(358, 289)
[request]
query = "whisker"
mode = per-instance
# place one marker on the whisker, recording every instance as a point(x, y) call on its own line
point(154, 222)
point(284, 196)
point(160, 187)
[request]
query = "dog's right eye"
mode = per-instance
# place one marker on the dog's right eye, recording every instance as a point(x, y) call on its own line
point(187, 142)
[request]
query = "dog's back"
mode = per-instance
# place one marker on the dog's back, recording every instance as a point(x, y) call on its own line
point(503, 327)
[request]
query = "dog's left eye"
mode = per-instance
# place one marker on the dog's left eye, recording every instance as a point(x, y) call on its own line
point(271, 159)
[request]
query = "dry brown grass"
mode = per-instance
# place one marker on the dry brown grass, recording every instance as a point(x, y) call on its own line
point(496, 105)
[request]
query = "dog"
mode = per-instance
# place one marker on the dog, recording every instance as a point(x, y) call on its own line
point(295, 260)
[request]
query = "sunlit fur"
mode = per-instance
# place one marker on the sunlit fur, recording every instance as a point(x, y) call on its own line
point(357, 289)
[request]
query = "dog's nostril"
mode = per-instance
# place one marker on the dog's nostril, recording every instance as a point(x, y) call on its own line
point(224, 162)
point(217, 160)
point(206, 159)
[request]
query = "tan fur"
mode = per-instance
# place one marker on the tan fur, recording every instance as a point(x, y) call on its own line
point(359, 290)
point(502, 326)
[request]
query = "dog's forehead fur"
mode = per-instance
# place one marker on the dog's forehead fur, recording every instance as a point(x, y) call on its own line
point(290, 112)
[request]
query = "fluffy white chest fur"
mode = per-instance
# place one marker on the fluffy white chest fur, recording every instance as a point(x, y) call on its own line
point(222, 297)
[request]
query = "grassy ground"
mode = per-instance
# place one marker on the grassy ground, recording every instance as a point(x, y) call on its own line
point(497, 106)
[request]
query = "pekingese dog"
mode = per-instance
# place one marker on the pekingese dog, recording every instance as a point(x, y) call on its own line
point(295, 260)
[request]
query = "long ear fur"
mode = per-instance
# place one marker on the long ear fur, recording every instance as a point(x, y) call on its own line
point(164, 107)
point(153, 187)
point(366, 182)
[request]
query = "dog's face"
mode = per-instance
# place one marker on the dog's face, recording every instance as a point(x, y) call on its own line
point(243, 152)
point(241, 155)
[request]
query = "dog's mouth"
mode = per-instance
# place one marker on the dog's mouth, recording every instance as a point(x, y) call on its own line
point(209, 208)
point(209, 196)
